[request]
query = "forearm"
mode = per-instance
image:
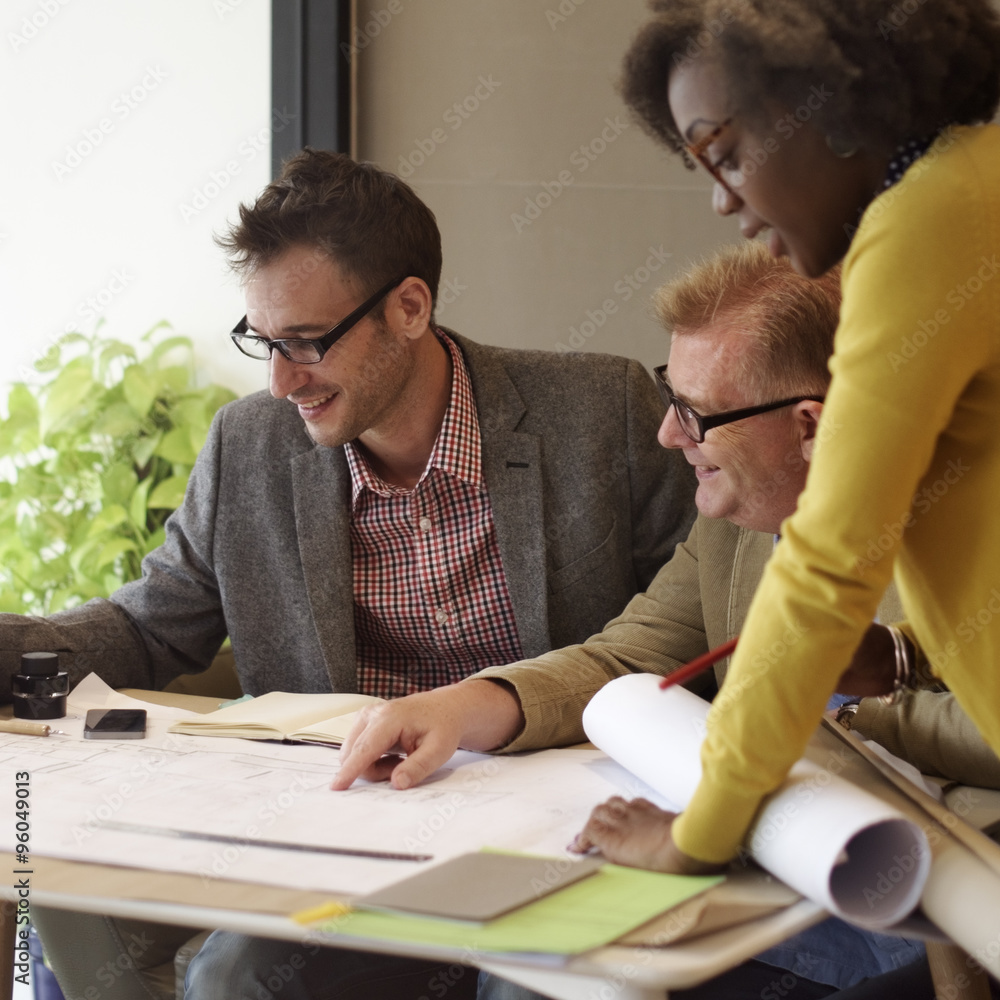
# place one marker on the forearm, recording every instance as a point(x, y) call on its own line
point(930, 730)
point(657, 632)
point(491, 712)
point(551, 693)
point(96, 637)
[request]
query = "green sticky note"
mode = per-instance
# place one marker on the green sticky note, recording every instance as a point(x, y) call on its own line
point(585, 915)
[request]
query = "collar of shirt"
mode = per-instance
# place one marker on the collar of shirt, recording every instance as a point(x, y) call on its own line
point(457, 450)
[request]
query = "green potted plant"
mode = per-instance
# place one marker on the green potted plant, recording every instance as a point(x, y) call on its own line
point(94, 455)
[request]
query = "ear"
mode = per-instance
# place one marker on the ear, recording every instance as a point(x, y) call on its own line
point(408, 308)
point(807, 414)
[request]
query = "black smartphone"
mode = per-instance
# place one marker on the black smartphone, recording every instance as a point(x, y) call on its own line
point(115, 724)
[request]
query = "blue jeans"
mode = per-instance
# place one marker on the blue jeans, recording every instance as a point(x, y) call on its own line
point(831, 954)
point(840, 955)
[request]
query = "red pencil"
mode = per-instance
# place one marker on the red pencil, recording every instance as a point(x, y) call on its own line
point(698, 664)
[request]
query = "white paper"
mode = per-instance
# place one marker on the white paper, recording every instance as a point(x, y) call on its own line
point(907, 770)
point(251, 790)
point(92, 692)
point(826, 838)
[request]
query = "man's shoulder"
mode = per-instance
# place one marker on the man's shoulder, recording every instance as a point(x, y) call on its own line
point(259, 422)
point(526, 366)
point(259, 410)
point(530, 360)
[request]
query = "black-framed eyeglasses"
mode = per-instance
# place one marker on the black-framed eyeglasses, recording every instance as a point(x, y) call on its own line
point(697, 150)
point(695, 426)
point(305, 350)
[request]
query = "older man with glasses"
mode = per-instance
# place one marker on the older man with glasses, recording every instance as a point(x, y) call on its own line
point(404, 507)
point(750, 341)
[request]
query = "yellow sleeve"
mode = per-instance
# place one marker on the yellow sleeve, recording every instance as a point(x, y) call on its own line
point(905, 354)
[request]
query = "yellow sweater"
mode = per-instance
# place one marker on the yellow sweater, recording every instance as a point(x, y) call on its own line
point(909, 442)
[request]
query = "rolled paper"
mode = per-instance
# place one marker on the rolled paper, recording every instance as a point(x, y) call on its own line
point(833, 842)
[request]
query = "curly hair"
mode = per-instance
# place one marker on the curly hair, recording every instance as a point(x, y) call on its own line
point(367, 221)
point(789, 320)
point(897, 69)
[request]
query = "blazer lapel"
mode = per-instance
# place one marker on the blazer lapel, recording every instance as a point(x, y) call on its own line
point(512, 470)
point(321, 484)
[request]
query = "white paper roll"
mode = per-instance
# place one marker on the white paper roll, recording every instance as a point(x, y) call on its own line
point(823, 836)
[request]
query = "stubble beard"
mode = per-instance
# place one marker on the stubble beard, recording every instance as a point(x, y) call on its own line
point(377, 384)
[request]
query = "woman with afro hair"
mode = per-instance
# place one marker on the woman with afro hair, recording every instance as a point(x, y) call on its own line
point(853, 131)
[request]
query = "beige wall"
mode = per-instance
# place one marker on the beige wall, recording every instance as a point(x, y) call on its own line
point(546, 111)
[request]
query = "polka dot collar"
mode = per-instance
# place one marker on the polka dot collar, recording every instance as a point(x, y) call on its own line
point(906, 155)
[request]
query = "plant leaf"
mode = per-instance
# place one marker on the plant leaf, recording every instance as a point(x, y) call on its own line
point(115, 349)
point(139, 388)
point(109, 518)
point(137, 505)
point(97, 446)
point(118, 483)
point(170, 344)
point(112, 550)
point(176, 447)
point(65, 396)
point(169, 493)
point(49, 361)
point(117, 421)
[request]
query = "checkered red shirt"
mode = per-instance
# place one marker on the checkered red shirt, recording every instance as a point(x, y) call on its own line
point(431, 604)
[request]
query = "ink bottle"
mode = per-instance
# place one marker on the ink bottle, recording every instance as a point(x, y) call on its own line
point(39, 690)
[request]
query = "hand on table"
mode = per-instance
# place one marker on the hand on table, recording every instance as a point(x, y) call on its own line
point(408, 739)
point(638, 834)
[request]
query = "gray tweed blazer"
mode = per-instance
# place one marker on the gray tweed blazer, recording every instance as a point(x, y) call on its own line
point(587, 507)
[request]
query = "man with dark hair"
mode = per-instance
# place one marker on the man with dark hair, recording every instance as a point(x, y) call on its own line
point(404, 507)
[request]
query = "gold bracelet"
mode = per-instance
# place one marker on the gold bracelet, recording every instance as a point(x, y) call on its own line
point(904, 668)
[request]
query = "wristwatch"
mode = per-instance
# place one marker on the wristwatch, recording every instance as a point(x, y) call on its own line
point(846, 713)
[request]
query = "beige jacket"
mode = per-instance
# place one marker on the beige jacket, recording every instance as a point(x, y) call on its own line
point(697, 601)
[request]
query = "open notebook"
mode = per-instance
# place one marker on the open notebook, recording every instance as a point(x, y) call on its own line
point(279, 715)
